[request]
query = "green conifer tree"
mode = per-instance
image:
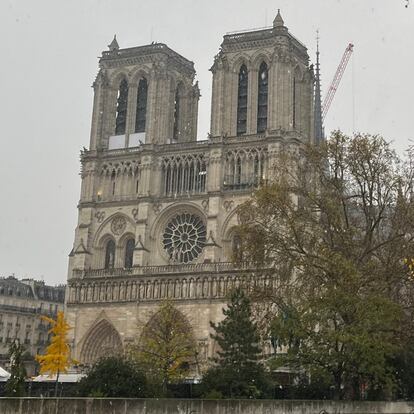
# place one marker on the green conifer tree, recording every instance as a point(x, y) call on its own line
point(15, 385)
point(237, 371)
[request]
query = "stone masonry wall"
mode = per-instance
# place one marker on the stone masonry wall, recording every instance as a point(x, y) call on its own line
point(159, 406)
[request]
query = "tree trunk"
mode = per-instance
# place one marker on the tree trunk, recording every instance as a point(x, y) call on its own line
point(57, 384)
point(338, 383)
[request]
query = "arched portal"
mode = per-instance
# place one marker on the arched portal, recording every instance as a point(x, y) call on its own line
point(102, 340)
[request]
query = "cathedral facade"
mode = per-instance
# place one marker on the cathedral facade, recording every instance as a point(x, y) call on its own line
point(158, 208)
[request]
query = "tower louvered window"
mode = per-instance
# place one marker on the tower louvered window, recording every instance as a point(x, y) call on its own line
point(141, 114)
point(176, 130)
point(262, 98)
point(121, 108)
point(110, 254)
point(129, 253)
point(242, 101)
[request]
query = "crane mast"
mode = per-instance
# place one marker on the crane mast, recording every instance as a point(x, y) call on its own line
point(336, 80)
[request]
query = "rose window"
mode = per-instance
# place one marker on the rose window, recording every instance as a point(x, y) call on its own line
point(184, 237)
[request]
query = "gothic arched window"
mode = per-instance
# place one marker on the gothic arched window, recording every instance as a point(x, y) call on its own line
point(242, 101)
point(176, 130)
point(141, 114)
point(236, 248)
point(262, 98)
point(110, 254)
point(129, 253)
point(121, 108)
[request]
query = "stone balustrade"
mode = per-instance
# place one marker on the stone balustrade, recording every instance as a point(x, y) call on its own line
point(203, 282)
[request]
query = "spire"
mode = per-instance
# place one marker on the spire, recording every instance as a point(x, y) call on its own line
point(113, 46)
point(319, 135)
point(278, 22)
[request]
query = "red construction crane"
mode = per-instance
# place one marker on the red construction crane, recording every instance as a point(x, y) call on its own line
point(337, 78)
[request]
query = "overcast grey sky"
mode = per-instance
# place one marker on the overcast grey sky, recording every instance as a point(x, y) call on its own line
point(49, 61)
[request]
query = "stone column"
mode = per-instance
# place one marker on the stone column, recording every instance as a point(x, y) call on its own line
point(150, 130)
point(217, 126)
point(142, 245)
point(230, 106)
point(211, 252)
point(274, 95)
point(96, 113)
point(109, 116)
point(131, 112)
point(145, 181)
point(215, 170)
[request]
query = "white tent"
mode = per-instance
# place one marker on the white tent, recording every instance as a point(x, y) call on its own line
point(69, 377)
point(4, 375)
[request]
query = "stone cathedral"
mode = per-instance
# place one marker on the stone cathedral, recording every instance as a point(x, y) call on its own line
point(158, 207)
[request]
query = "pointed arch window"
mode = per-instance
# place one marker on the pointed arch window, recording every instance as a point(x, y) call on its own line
point(176, 130)
point(121, 108)
point(242, 101)
point(141, 114)
point(129, 253)
point(110, 254)
point(262, 97)
point(237, 249)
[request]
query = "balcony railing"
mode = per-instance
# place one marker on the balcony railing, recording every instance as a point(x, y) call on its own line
point(163, 269)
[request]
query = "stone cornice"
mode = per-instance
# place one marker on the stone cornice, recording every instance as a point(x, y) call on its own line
point(263, 38)
point(157, 52)
point(193, 146)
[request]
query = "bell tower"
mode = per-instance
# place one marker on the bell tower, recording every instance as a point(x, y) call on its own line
point(262, 82)
point(143, 95)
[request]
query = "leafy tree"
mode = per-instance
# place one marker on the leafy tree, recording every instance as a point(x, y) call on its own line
point(114, 376)
point(57, 358)
point(237, 372)
point(15, 385)
point(166, 348)
point(333, 229)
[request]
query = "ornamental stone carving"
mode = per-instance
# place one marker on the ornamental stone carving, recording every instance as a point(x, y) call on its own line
point(228, 205)
point(100, 215)
point(157, 207)
point(204, 203)
point(118, 225)
point(135, 214)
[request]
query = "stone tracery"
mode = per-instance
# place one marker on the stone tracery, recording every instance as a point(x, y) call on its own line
point(184, 174)
point(245, 167)
point(101, 341)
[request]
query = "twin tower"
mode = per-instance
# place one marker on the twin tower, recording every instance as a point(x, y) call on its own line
point(158, 208)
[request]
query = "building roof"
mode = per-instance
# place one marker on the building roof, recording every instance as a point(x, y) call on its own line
point(33, 289)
